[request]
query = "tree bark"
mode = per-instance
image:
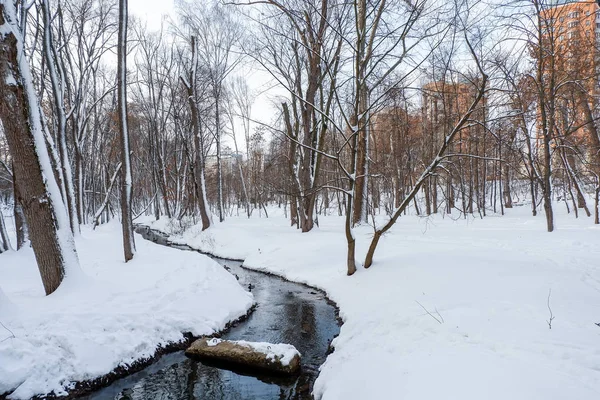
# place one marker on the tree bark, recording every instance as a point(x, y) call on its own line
point(20, 222)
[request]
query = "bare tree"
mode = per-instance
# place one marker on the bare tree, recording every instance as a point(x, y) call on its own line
point(156, 70)
point(441, 155)
point(241, 103)
point(57, 79)
point(191, 85)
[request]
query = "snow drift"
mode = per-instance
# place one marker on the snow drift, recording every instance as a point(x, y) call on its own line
point(110, 316)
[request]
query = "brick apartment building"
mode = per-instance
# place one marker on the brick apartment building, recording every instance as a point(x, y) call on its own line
point(571, 37)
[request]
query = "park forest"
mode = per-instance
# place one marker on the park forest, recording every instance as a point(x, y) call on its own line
point(375, 109)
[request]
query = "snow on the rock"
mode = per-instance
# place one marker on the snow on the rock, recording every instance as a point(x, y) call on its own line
point(114, 313)
point(487, 281)
point(282, 352)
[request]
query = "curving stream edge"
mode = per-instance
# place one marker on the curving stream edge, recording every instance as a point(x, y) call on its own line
point(87, 387)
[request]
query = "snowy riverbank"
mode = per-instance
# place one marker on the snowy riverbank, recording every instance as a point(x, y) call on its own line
point(486, 281)
point(108, 317)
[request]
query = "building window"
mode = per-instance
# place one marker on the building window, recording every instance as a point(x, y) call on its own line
point(573, 24)
point(587, 22)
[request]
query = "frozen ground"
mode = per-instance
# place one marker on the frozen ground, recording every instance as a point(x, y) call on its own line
point(109, 316)
point(485, 283)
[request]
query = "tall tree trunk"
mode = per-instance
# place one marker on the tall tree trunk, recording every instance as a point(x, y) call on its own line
point(546, 82)
point(161, 177)
point(126, 217)
point(506, 193)
point(241, 172)
point(361, 116)
point(4, 239)
point(219, 165)
point(51, 237)
point(198, 161)
point(297, 213)
point(53, 63)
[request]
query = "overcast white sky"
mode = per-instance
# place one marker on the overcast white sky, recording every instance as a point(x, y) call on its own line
point(151, 10)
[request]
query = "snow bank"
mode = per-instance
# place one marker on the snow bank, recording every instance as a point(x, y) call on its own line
point(486, 281)
point(111, 316)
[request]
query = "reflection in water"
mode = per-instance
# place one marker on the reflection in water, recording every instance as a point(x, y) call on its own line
point(287, 313)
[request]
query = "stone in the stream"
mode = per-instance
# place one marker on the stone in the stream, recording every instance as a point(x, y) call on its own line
point(279, 358)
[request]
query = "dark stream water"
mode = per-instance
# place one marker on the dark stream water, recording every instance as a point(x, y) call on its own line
point(287, 312)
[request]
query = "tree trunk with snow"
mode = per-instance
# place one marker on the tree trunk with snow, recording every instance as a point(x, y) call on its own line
point(38, 191)
point(54, 69)
point(190, 85)
point(126, 217)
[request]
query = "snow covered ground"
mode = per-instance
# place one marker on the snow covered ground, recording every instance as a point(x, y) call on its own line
point(484, 282)
point(110, 315)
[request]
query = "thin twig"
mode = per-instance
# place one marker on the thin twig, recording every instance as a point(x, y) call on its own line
point(549, 309)
point(11, 332)
point(430, 314)
point(440, 315)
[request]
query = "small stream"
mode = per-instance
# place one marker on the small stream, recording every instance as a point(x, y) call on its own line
point(287, 312)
